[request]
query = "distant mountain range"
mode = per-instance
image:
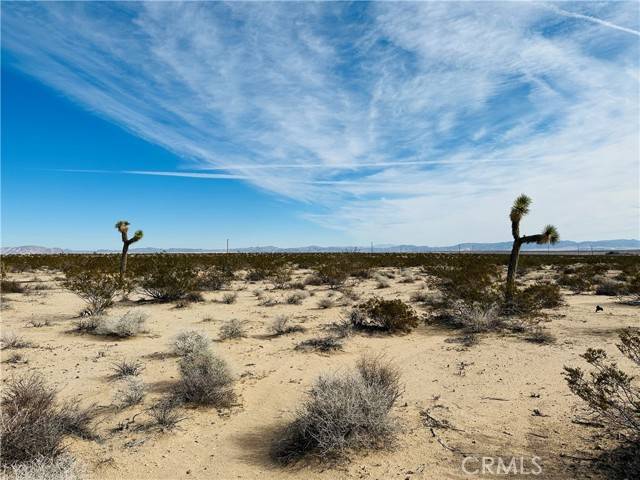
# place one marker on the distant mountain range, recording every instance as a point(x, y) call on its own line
point(564, 245)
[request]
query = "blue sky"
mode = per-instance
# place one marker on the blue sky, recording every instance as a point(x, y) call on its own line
point(317, 123)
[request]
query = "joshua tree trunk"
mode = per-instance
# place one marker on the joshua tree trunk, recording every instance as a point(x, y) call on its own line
point(123, 260)
point(513, 266)
point(123, 227)
point(549, 235)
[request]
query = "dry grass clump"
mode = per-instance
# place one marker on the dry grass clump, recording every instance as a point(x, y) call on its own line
point(62, 467)
point(38, 323)
point(282, 326)
point(325, 303)
point(127, 368)
point(165, 414)
point(268, 302)
point(190, 342)
point(32, 424)
point(343, 412)
point(205, 380)
point(130, 392)
point(477, 317)
point(229, 298)
point(233, 328)
point(11, 340)
point(328, 343)
point(384, 315)
point(296, 298)
point(17, 358)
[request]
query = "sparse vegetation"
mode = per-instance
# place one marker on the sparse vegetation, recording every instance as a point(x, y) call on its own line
point(165, 414)
point(9, 286)
point(130, 324)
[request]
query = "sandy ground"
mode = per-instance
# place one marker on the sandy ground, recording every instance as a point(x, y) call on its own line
point(490, 402)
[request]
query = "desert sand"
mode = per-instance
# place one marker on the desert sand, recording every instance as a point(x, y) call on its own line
point(488, 392)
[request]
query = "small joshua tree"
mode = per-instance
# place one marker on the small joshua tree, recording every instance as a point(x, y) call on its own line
point(123, 227)
point(549, 235)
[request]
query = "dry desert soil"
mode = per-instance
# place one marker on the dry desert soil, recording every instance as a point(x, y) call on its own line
point(503, 396)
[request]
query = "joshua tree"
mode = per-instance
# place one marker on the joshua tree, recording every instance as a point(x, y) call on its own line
point(549, 235)
point(123, 227)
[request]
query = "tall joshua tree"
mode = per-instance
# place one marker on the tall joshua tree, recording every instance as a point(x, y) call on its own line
point(549, 235)
point(123, 227)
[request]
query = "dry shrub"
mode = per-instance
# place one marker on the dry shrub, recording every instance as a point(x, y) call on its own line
point(165, 414)
point(97, 289)
point(190, 342)
point(321, 344)
point(325, 303)
point(343, 412)
point(234, 328)
point(32, 424)
point(610, 287)
point(385, 315)
point(296, 298)
point(10, 286)
point(11, 340)
point(477, 317)
point(128, 325)
point(205, 380)
point(282, 325)
point(229, 298)
point(130, 392)
point(62, 467)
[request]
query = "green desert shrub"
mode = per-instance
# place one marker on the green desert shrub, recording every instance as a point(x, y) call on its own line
point(384, 315)
point(97, 289)
point(613, 398)
point(168, 280)
point(215, 278)
point(343, 412)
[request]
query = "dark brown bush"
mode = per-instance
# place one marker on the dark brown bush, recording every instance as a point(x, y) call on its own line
point(384, 315)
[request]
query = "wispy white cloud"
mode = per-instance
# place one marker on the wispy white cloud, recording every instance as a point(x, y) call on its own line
point(423, 117)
